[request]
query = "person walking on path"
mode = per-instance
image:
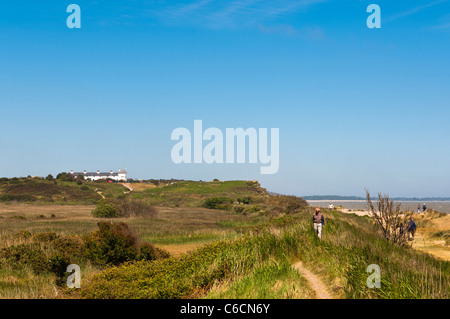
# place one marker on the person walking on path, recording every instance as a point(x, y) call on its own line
point(411, 228)
point(319, 222)
point(424, 208)
point(418, 209)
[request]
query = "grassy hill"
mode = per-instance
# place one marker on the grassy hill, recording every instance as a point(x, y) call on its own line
point(193, 193)
point(44, 191)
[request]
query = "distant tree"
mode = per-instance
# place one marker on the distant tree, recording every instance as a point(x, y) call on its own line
point(65, 177)
point(49, 177)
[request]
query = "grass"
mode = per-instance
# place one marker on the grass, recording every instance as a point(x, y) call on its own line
point(192, 193)
point(246, 267)
point(223, 254)
point(39, 190)
point(271, 280)
point(175, 229)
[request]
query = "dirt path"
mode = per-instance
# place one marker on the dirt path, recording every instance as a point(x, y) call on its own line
point(127, 185)
point(315, 283)
point(101, 194)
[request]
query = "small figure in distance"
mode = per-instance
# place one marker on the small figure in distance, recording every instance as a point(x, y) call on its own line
point(424, 208)
point(331, 206)
point(319, 222)
point(411, 228)
point(418, 209)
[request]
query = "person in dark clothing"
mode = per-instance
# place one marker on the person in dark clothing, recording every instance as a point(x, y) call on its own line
point(319, 222)
point(424, 208)
point(411, 228)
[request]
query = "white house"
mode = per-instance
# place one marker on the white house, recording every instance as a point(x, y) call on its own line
point(121, 175)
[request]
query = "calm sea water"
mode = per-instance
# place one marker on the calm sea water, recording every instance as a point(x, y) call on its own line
point(441, 206)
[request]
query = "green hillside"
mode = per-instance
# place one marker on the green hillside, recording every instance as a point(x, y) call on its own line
point(40, 190)
point(193, 193)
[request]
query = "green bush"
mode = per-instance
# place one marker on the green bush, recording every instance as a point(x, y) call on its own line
point(17, 198)
point(58, 265)
point(218, 203)
point(105, 210)
point(65, 177)
point(45, 237)
point(244, 200)
point(148, 251)
point(23, 234)
point(19, 255)
point(68, 245)
point(111, 244)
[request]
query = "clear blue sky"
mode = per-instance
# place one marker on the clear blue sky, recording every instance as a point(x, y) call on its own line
point(356, 107)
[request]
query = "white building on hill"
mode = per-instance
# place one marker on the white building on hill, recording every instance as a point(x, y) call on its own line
point(121, 175)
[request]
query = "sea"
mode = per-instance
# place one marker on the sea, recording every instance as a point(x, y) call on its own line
point(440, 206)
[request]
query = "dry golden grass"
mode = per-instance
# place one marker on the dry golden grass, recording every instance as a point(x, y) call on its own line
point(424, 240)
point(171, 226)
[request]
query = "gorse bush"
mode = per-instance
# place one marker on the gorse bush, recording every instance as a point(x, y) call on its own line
point(45, 237)
point(105, 210)
point(244, 200)
point(68, 245)
point(148, 251)
point(113, 208)
point(58, 265)
point(22, 255)
point(218, 203)
point(113, 244)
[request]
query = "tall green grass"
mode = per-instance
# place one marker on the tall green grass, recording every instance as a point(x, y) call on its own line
point(244, 267)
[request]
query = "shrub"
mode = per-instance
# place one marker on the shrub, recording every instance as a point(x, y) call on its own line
point(68, 245)
point(244, 200)
point(19, 255)
point(58, 265)
point(23, 234)
point(44, 237)
point(150, 252)
point(105, 210)
point(65, 177)
point(218, 203)
point(111, 244)
point(17, 198)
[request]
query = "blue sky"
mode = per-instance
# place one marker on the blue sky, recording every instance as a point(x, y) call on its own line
point(356, 107)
